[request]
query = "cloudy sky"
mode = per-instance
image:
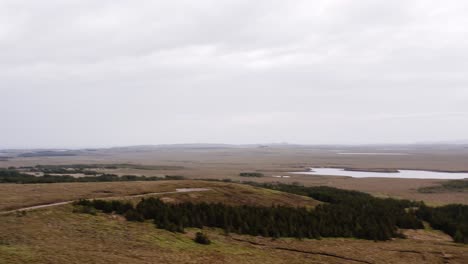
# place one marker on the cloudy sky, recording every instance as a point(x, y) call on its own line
point(108, 73)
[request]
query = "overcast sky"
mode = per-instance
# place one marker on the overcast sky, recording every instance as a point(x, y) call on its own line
point(111, 73)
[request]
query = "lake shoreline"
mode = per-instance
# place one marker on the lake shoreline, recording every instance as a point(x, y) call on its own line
point(383, 170)
point(384, 173)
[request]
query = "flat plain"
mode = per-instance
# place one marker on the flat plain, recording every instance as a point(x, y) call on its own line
point(226, 162)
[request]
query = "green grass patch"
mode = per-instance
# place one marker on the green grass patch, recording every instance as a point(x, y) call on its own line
point(16, 254)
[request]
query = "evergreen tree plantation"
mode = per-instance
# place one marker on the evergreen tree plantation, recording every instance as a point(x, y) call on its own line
point(343, 214)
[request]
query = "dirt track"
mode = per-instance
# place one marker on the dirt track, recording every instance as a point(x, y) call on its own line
point(29, 208)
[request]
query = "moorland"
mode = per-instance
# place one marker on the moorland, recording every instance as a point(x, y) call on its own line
point(146, 204)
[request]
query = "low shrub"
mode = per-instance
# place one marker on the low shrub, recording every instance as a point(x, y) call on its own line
point(83, 209)
point(201, 238)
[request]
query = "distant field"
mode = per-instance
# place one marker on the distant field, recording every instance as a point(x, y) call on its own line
point(228, 162)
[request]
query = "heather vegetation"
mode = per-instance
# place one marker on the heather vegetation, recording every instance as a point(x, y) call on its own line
point(447, 186)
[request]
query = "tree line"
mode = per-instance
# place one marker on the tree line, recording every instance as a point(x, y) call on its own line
point(451, 219)
point(14, 176)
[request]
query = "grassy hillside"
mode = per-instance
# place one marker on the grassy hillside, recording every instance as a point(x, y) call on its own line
point(14, 196)
point(56, 235)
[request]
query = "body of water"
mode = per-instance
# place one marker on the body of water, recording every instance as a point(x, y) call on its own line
point(374, 153)
point(406, 174)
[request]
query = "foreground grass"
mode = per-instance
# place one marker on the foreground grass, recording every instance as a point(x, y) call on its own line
point(60, 236)
point(56, 235)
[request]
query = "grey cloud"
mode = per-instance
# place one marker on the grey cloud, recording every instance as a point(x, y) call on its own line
point(150, 72)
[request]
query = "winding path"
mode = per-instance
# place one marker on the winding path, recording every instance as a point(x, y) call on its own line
point(30, 208)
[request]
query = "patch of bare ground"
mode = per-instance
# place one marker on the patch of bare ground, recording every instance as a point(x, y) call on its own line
point(427, 235)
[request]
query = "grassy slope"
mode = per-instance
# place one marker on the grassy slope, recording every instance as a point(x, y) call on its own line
point(56, 235)
point(59, 236)
point(13, 196)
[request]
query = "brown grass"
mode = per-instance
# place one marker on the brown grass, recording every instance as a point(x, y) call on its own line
point(14, 196)
point(57, 236)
